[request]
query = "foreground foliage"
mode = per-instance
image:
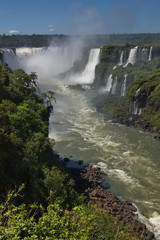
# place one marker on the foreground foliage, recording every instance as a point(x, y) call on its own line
point(37, 196)
point(83, 221)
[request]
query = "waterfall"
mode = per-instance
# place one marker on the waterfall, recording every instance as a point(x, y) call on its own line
point(53, 60)
point(114, 86)
point(143, 54)
point(123, 88)
point(132, 56)
point(45, 61)
point(109, 83)
point(150, 54)
point(88, 75)
point(121, 59)
point(136, 110)
point(21, 52)
point(10, 58)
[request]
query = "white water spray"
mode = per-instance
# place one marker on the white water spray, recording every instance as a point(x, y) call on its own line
point(121, 59)
point(109, 83)
point(150, 54)
point(9, 57)
point(132, 56)
point(88, 75)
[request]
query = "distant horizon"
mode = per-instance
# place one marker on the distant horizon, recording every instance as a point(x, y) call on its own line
point(55, 34)
point(72, 17)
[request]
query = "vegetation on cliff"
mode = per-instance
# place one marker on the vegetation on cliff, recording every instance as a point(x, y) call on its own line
point(142, 85)
point(37, 195)
point(146, 91)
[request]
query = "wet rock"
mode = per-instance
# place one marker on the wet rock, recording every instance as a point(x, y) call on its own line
point(89, 181)
point(66, 159)
point(80, 162)
point(57, 156)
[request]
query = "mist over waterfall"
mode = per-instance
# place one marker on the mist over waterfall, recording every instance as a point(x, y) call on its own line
point(130, 157)
point(10, 58)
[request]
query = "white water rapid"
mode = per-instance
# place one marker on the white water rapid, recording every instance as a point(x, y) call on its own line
point(130, 157)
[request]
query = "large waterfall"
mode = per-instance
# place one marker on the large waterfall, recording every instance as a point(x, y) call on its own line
point(130, 157)
point(88, 75)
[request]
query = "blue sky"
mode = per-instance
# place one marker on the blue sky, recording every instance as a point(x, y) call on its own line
point(79, 16)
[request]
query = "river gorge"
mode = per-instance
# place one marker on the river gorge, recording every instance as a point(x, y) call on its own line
point(129, 156)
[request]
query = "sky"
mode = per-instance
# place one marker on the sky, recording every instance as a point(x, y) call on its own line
point(79, 16)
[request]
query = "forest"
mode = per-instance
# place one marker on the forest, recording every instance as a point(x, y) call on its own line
point(39, 40)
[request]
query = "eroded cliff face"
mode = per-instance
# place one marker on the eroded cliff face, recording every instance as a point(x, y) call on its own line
point(118, 61)
point(129, 78)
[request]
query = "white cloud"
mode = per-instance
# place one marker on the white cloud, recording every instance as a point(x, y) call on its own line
point(51, 30)
point(50, 26)
point(14, 31)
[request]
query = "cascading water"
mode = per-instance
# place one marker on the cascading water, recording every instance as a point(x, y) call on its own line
point(109, 83)
point(121, 59)
point(123, 88)
point(132, 56)
point(150, 54)
point(22, 52)
point(10, 58)
point(134, 109)
point(130, 157)
point(114, 86)
point(88, 75)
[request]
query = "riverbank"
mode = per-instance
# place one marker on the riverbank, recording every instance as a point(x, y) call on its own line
point(138, 122)
point(130, 120)
point(90, 181)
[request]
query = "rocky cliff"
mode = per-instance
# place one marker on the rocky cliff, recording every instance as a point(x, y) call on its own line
point(129, 78)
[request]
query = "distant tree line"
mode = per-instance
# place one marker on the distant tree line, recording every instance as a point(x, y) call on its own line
point(38, 40)
point(35, 40)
